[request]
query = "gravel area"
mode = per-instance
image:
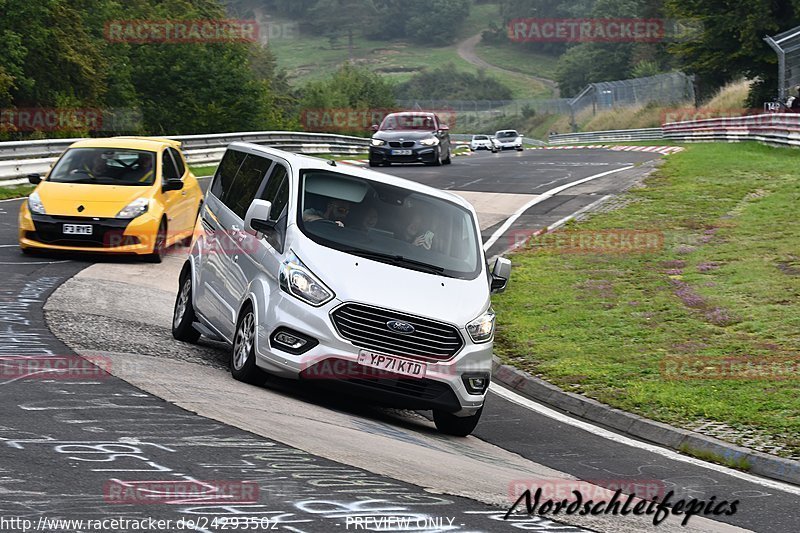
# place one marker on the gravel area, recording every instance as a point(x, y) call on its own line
point(87, 332)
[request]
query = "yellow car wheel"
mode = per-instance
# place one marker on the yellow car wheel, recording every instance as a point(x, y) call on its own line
point(160, 244)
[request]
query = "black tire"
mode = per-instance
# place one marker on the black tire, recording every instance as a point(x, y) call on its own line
point(243, 357)
point(373, 163)
point(437, 159)
point(183, 314)
point(160, 246)
point(458, 426)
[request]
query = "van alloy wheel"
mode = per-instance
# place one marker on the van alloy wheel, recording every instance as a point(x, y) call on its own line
point(243, 358)
point(243, 345)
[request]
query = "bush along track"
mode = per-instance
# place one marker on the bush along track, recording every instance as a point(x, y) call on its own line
point(682, 306)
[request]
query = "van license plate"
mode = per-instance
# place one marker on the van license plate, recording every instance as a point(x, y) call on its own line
point(390, 363)
point(77, 229)
point(401, 152)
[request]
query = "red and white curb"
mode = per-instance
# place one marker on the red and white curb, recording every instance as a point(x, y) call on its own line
point(356, 162)
point(664, 150)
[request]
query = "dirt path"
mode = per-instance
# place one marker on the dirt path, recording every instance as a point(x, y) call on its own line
point(466, 49)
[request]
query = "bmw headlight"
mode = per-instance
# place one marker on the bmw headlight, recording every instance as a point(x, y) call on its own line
point(35, 204)
point(482, 328)
point(378, 142)
point(430, 141)
point(300, 282)
point(134, 209)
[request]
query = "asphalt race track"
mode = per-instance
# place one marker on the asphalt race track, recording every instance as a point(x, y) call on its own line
point(170, 412)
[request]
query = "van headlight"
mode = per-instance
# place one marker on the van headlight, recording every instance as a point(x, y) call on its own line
point(378, 142)
point(430, 141)
point(482, 328)
point(35, 204)
point(134, 209)
point(300, 282)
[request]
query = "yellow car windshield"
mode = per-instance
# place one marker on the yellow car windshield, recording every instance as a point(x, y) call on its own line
point(105, 166)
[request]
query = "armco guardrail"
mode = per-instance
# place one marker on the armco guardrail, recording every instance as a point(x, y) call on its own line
point(772, 128)
point(643, 134)
point(18, 158)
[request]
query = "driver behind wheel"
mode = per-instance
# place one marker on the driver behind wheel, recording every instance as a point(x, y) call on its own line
point(336, 211)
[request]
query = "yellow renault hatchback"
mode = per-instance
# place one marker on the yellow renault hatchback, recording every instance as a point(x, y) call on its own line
point(127, 195)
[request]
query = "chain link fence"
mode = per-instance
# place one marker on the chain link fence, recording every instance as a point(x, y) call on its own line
point(478, 115)
point(787, 46)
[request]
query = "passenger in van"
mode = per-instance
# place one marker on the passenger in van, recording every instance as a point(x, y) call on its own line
point(415, 234)
point(335, 211)
point(370, 219)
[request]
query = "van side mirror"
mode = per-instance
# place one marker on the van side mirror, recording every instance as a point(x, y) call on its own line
point(172, 185)
point(375, 128)
point(444, 127)
point(34, 179)
point(501, 272)
point(257, 217)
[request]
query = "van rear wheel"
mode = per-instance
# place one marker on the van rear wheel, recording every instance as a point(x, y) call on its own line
point(459, 426)
point(183, 316)
point(243, 358)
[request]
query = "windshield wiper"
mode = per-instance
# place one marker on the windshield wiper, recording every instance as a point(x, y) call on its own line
point(397, 260)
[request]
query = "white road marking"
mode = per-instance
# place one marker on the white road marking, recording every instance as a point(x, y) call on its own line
point(652, 448)
point(543, 196)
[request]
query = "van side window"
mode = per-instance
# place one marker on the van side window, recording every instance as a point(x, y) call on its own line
point(226, 172)
point(245, 186)
point(277, 192)
point(176, 156)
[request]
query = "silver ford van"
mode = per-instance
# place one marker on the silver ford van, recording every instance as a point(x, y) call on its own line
point(316, 270)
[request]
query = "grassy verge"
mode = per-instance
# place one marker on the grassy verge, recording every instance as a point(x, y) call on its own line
point(202, 171)
point(18, 191)
point(513, 57)
point(724, 282)
point(397, 61)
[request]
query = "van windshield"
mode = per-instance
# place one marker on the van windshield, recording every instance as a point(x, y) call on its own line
point(388, 224)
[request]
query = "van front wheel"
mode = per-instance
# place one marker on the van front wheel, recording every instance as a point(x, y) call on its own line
point(243, 358)
point(459, 426)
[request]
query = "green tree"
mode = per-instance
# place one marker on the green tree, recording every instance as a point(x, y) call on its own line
point(731, 43)
point(447, 83)
point(350, 87)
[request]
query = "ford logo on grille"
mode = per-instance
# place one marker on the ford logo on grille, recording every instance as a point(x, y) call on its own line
point(400, 327)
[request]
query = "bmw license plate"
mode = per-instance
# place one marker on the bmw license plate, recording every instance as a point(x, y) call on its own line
point(401, 152)
point(390, 363)
point(77, 229)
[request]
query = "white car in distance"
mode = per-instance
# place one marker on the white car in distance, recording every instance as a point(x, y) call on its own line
point(482, 142)
point(509, 139)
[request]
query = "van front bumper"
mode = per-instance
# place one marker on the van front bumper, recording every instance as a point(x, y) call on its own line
point(333, 361)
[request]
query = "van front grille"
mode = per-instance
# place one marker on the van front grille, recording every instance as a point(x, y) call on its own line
point(367, 327)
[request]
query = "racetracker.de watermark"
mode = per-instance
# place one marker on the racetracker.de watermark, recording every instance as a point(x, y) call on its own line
point(173, 31)
point(737, 116)
point(691, 368)
point(560, 489)
point(178, 492)
point(613, 241)
point(359, 120)
point(52, 367)
point(647, 30)
point(69, 119)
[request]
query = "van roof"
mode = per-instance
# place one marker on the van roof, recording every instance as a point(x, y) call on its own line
point(305, 161)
